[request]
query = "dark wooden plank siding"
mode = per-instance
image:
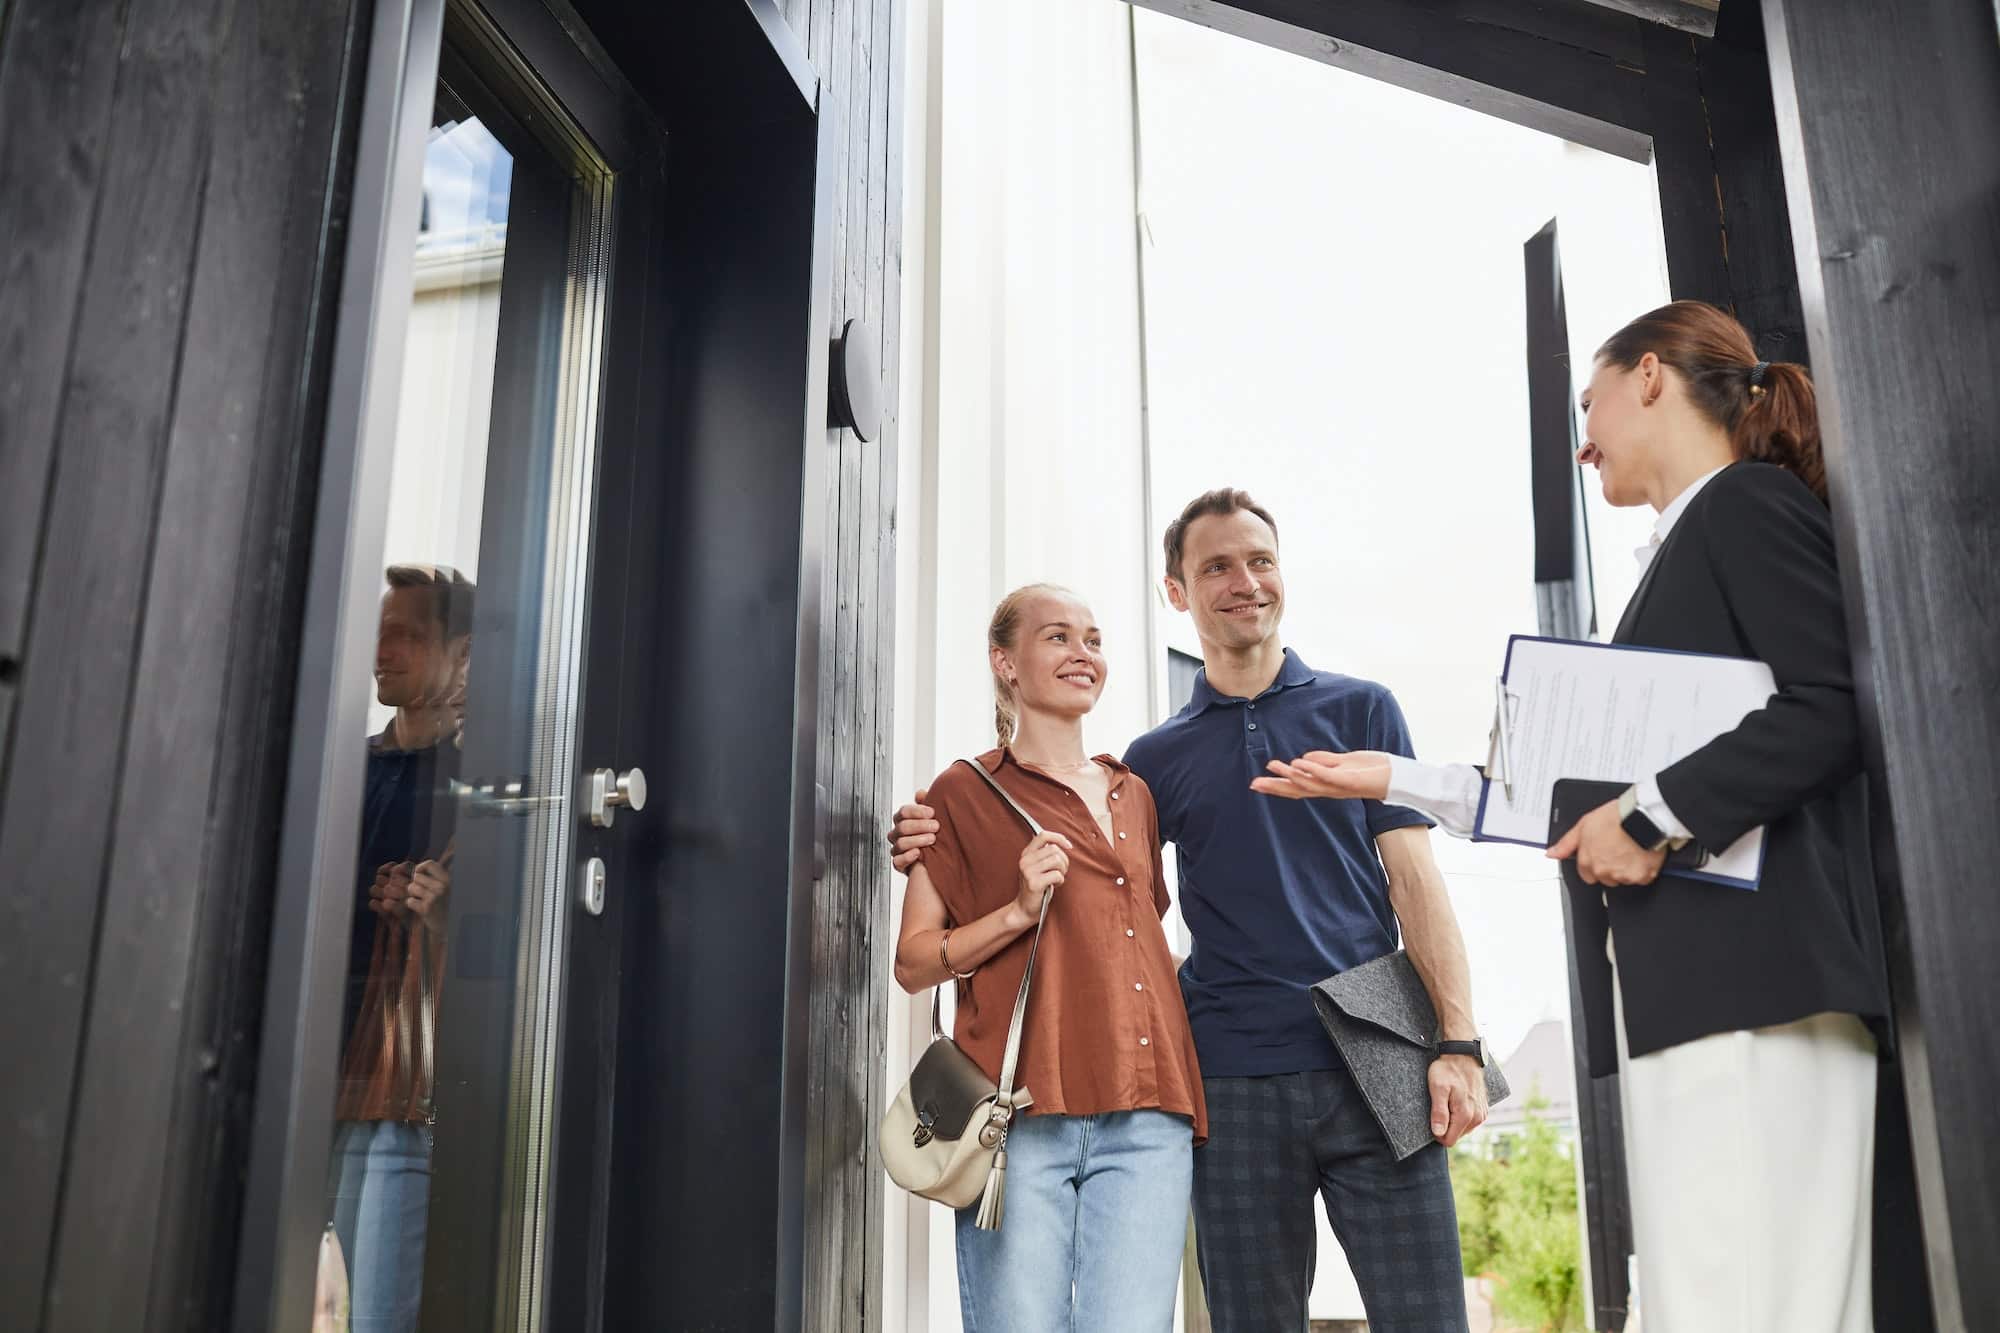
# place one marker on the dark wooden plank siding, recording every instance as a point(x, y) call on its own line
point(158, 779)
point(50, 160)
point(171, 168)
point(855, 47)
point(206, 731)
point(1893, 172)
point(69, 737)
point(1722, 195)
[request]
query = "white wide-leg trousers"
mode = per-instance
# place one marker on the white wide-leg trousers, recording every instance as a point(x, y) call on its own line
point(1752, 1158)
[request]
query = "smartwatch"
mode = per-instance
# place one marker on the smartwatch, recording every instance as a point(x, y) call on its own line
point(1476, 1048)
point(1638, 827)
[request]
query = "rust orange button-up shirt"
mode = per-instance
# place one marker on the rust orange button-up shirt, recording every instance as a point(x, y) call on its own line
point(1106, 1029)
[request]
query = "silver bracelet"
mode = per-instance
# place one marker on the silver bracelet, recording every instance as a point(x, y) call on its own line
point(944, 944)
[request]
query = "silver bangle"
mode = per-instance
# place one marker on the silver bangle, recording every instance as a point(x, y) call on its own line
point(944, 944)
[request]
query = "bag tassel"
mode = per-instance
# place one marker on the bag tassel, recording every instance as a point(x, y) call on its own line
point(993, 1203)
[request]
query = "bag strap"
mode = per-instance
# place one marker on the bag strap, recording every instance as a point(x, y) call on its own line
point(1012, 1059)
point(1005, 795)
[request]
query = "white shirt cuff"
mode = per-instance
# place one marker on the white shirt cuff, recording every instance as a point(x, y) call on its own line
point(1448, 793)
point(1654, 806)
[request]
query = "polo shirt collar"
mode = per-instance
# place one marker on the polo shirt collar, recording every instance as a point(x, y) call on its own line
point(1203, 696)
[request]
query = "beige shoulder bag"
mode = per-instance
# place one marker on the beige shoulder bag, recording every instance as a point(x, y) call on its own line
point(945, 1136)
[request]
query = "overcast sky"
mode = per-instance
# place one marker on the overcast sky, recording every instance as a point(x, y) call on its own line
point(1334, 322)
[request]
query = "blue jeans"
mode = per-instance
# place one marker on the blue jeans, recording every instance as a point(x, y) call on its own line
point(1097, 1213)
point(380, 1195)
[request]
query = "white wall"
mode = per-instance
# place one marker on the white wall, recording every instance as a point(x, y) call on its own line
point(1020, 453)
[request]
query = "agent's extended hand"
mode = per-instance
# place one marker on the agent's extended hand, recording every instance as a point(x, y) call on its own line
point(1605, 853)
point(915, 829)
point(1359, 774)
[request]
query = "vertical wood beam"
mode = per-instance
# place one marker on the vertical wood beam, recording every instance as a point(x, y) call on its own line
point(855, 47)
point(1892, 170)
point(1722, 203)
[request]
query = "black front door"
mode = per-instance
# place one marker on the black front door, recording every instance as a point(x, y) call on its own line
point(535, 1035)
point(505, 777)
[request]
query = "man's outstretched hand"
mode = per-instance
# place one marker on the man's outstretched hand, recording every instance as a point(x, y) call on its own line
point(915, 829)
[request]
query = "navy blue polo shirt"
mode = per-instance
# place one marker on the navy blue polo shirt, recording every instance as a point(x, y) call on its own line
point(1277, 894)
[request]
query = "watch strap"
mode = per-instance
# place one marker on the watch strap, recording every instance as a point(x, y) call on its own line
point(1475, 1049)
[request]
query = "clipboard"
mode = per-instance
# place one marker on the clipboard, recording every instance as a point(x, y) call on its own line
point(1624, 716)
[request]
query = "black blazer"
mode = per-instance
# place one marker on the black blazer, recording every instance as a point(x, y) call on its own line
point(1747, 571)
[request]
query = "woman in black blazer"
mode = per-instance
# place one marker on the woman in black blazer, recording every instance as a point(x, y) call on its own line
point(1739, 1019)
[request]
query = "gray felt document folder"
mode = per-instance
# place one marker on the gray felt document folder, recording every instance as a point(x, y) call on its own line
point(1381, 1019)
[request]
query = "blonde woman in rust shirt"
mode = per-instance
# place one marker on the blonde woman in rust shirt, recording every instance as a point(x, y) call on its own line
point(1100, 1168)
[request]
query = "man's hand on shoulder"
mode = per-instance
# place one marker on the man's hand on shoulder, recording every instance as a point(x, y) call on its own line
point(914, 829)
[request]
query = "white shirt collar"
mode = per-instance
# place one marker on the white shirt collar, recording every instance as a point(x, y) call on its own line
point(1671, 515)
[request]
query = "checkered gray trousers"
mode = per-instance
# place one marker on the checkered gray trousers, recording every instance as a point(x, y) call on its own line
point(1276, 1141)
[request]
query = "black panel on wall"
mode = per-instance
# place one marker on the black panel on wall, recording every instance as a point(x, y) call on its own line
point(1566, 606)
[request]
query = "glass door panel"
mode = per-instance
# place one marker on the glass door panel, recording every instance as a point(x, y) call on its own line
point(462, 895)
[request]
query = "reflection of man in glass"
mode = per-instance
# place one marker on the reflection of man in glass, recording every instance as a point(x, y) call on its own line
point(380, 1187)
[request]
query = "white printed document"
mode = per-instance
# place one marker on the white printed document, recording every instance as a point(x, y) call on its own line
point(1612, 713)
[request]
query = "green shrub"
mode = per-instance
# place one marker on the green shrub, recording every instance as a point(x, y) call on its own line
point(1517, 1224)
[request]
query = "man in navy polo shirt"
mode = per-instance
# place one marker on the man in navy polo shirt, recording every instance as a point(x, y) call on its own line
point(1277, 895)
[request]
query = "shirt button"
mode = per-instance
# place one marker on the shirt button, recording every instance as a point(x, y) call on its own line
point(1128, 934)
point(1121, 835)
point(1253, 726)
point(1114, 795)
point(1144, 1042)
point(1121, 879)
point(1253, 708)
point(1138, 985)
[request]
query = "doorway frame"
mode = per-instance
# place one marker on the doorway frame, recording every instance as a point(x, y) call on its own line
point(1765, 210)
point(390, 102)
point(292, 1136)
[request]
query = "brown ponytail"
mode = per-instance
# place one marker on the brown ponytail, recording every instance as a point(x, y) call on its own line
point(1768, 408)
point(1003, 632)
point(1780, 424)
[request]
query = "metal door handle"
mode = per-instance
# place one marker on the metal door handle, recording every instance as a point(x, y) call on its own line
point(610, 789)
point(499, 797)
